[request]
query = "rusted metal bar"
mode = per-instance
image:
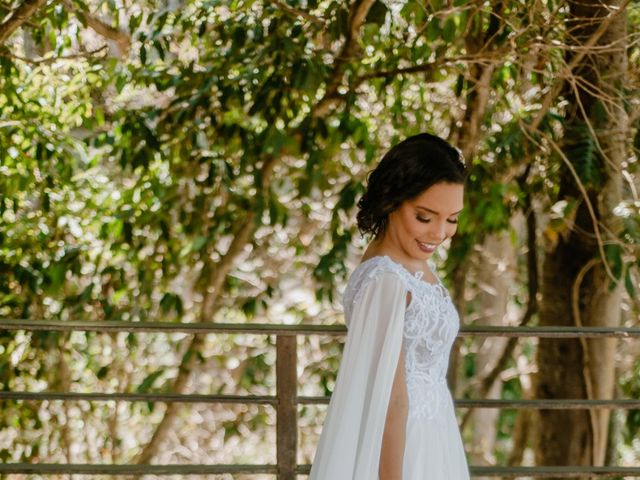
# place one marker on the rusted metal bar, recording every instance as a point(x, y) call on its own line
point(287, 414)
point(550, 404)
point(546, 404)
point(542, 404)
point(302, 329)
point(139, 397)
point(134, 470)
point(540, 472)
point(548, 332)
point(562, 472)
point(170, 327)
point(138, 470)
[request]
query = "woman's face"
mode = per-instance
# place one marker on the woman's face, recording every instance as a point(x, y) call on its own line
point(419, 225)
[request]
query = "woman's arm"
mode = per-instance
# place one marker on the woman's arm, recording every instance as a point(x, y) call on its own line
point(393, 438)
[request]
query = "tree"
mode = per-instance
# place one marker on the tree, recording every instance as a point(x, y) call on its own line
point(583, 272)
point(200, 161)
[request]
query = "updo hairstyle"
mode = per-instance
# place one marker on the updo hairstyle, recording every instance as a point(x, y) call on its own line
point(407, 170)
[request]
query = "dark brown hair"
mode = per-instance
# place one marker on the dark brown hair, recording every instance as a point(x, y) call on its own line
point(406, 171)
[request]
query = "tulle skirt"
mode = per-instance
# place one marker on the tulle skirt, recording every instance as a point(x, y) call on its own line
point(433, 448)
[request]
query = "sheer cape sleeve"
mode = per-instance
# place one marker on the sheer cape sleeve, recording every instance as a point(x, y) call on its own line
point(351, 439)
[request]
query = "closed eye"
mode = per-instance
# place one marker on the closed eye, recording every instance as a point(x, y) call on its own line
point(427, 220)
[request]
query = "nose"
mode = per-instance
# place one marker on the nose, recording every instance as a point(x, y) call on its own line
point(439, 232)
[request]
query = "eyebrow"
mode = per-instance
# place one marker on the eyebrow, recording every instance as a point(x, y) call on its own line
point(434, 212)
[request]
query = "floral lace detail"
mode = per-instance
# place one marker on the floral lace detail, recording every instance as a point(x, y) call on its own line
point(364, 273)
point(430, 327)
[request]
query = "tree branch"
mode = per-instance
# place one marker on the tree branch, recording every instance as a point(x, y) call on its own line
point(357, 16)
point(586, 352)
point(18, 17)
point(208, 309)
point(554, 91)
point(120, 38)
point(583, 192)
point(332, 95)
point(425, 67)
point(299, 13)
point(39, 61)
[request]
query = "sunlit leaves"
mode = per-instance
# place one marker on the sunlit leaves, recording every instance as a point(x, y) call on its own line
point(125, 181)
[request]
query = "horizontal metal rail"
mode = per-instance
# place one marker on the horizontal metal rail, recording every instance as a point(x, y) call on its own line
point(548, 404)
point(139, 397)
point(542, 404)
point(302, 329)
point(136, 470)
point(288, 469)
point(105, 469)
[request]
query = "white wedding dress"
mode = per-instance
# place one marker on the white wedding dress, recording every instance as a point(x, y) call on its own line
point(379, 323)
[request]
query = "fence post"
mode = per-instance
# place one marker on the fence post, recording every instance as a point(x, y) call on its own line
point(287, 415)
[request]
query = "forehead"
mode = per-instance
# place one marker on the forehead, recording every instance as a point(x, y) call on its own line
point(443, 198)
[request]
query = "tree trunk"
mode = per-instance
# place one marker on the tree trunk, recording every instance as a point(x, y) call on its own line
point(526, 423)
point(577, 285)
point(495, 275)
point(467, 136)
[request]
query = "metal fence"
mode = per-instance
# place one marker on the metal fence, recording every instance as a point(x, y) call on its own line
point(286, 399)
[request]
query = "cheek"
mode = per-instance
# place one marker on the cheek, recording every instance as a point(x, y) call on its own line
point(451, 229)
point(416, 228)
point(407, 222)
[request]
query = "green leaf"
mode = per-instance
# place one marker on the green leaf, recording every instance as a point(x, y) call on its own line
point(628, 283)
point(239, 37)
point(378, 13)
point(171, 301)
point(134, 22)
point(449, 31)
point(433, 31)
point(199, 242)
point(581, 149)
point(56, 274)
point(249, 307)
point(121, 81)
point(148, 382)
point(158, 46)
point(613, 254)
point(102, 372)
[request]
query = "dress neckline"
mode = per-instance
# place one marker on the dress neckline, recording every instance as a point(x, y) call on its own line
point(416, 275)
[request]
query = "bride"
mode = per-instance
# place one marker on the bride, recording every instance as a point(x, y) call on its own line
point(391, 415)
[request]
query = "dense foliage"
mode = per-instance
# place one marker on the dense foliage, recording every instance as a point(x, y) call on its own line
point(192, 160)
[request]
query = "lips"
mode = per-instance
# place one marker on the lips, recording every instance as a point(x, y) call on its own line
point(427, 247)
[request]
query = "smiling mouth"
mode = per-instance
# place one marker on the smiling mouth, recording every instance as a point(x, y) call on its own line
point(426, 247)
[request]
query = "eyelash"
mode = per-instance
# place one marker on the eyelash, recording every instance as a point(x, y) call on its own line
point(427, 220)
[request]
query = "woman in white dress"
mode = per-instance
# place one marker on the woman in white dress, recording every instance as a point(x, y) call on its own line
point(391, 415)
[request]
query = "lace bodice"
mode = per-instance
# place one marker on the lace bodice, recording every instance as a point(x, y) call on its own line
point(431, 324)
